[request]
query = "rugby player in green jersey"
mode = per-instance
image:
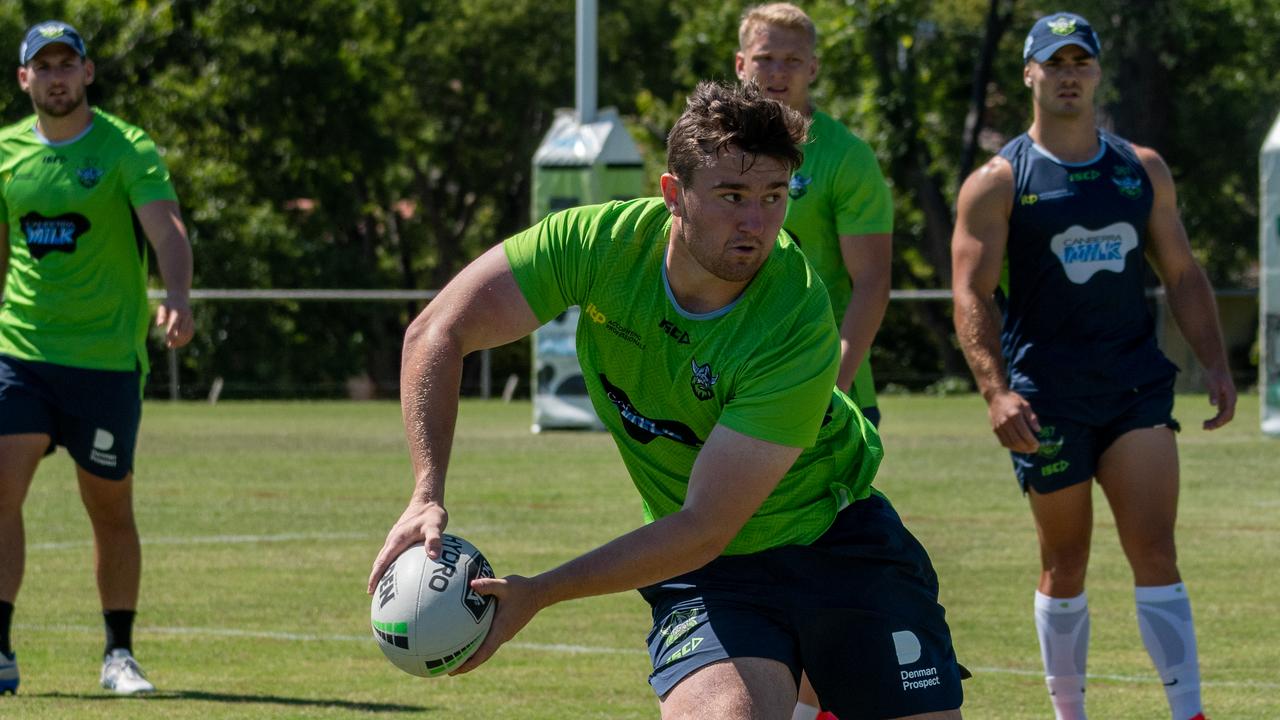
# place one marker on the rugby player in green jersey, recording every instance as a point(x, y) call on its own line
point(74, 184)
point(841, 211)
point(710, 355)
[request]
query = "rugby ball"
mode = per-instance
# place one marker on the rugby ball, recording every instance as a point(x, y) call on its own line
point(426, 618)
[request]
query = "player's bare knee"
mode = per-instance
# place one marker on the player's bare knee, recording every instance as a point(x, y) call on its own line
point(1063, 580)
point(1065, 566)
point(1157, 566)
point(110, 514)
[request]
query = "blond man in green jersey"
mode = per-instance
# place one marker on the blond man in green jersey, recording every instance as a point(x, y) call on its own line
point(710, 355)
point(75, 182)
point(841, 211)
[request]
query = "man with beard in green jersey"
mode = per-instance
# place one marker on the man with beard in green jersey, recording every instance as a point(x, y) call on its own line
point(710, 354)
point(78, 190)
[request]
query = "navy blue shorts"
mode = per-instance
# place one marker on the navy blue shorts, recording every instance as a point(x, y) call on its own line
point(1074, 432)
point(857, 610)
point(94, 414)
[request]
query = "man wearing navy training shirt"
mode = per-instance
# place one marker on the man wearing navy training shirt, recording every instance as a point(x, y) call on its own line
point(1075, 384)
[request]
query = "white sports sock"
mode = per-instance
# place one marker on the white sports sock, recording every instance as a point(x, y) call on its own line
point(1164, 620)
point(804, 712)
point(1063, 627)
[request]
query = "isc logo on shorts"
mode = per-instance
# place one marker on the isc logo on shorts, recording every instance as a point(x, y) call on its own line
point(907, 645)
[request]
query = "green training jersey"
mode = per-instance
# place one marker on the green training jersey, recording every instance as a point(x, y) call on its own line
point(75, 292)
point(839, 190)
point(661, 377)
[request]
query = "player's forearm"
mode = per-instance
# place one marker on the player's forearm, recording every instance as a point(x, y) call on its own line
point(671, 546)
point(978, 331)
point(1190, 297)
point(175, 262)
point(430, 378)
point(862, 320)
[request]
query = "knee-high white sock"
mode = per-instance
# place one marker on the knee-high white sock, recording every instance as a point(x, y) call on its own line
point(804, 712)
point(1063, 627)
point(1164, 620)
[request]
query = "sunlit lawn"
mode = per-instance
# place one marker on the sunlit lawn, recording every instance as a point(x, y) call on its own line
point(260, 521)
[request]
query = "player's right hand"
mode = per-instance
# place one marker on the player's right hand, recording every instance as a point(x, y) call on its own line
point(421, 522)
point(174, 317)
point(1222, 395)
point(1013, 421)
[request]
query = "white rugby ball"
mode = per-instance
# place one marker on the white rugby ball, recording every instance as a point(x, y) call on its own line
point(425, 616)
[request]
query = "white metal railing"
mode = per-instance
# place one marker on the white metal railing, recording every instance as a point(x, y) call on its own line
point(355, 295)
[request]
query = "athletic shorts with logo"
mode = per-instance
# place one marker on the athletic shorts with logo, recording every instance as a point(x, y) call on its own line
point(1074, 432)
point(857, 610)
point(94, 414)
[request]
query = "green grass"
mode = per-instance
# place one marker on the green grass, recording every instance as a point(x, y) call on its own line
point(260, 520)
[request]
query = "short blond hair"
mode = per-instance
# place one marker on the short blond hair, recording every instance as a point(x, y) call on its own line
point(780, 14)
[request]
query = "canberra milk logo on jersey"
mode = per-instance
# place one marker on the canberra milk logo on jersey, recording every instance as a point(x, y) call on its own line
point(799, 186)
point(642, 429)
point(52, 234)
point(1084, 252)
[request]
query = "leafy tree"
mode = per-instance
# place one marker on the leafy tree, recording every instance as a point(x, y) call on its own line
point(384, 143)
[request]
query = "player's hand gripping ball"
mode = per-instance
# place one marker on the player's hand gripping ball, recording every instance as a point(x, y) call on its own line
point(426, 618)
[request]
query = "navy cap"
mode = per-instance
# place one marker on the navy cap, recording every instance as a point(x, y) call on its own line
point(41, 35)
point(1056, 31)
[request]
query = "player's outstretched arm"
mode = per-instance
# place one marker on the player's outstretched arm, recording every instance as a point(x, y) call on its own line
point(480, 308)
point(161, 222)
point(731, 478)
point(1187, 288)
point(977, 256)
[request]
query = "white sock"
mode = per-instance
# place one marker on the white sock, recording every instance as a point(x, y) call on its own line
point(804, 712)
point(1164, 620)
point(1063, 627)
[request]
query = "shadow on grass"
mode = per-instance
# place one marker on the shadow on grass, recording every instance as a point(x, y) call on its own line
point(368, 707)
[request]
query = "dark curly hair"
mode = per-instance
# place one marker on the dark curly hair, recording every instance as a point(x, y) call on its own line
point(719, 116)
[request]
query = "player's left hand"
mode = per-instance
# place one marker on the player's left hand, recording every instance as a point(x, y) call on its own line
point(178, 323)
point(1222, 395)
point(518, 601)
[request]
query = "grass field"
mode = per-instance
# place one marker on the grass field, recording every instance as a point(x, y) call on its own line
point(260, 521)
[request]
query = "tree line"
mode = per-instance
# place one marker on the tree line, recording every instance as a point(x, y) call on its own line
point(385, 143)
